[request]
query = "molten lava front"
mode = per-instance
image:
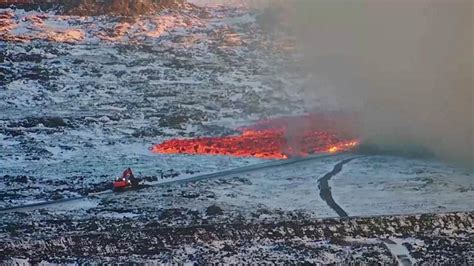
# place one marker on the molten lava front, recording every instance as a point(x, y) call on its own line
point(279, 138)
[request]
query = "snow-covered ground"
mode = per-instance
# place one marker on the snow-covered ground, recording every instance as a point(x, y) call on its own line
point(378, 185)
point(396, 186)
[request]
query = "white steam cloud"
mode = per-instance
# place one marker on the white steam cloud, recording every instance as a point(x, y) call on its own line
point(405, 67)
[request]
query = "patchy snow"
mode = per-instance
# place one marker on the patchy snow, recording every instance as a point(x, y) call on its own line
point(82, 111)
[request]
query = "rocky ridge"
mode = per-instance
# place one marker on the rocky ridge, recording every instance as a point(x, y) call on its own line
point(96, 7)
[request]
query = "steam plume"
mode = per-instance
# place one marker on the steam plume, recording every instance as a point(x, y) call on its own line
point(404, 66)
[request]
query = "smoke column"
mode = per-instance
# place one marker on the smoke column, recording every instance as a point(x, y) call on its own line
point(405, 67)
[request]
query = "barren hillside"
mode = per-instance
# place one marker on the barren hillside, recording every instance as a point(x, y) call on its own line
point(96, 7)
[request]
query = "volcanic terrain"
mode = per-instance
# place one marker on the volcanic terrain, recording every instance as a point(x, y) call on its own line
point(205, 104)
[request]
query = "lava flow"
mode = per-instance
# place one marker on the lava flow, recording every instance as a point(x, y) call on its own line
point(279, 138)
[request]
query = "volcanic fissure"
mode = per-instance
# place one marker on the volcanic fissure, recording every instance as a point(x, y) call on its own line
point(270, 139)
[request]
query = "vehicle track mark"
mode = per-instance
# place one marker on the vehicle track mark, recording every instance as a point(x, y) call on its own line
point(325, 189)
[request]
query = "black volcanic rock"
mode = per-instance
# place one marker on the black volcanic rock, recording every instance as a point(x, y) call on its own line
point(214, 210)
point(287, 242)
point(49, 122)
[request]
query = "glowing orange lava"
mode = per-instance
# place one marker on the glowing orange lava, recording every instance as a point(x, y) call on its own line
point(279, 138)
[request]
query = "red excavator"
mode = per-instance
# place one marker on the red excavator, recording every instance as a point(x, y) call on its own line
point(126, 181)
